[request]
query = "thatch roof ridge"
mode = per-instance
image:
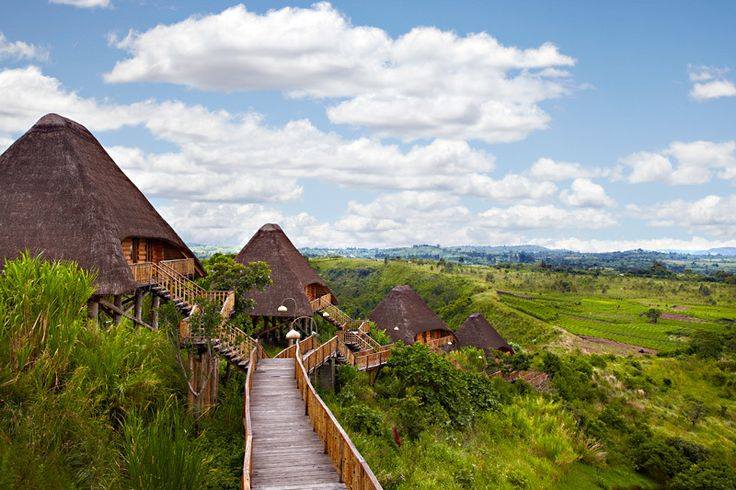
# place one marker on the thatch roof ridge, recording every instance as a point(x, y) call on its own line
point(66, 198)
point(402, 307)
point(476, 331)
point(290, 272)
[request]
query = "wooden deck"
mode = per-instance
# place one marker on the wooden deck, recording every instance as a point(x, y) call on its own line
point(287, 453)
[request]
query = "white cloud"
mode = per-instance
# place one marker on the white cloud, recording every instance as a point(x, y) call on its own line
point(713, 90)
point(586, 193)
point(695, 162)
point(660, 244)
point(83, 3)
point(426, 83)
point(26, 94)
point(521, 217)
point(714, 215)
point(19, 50)
point(223, 157)
point(710, 83)
point(549, 169)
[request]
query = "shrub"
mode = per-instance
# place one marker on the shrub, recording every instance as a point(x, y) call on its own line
point(363, 418)
point(710, 475)
point(662, 459)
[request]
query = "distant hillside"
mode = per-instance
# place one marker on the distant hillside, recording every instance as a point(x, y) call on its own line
point(709, 261)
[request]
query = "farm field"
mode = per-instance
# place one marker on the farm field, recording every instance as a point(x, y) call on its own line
point(527, 303)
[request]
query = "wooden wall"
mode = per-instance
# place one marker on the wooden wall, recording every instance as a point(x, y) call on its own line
point(149, 250)
point(314, 291)
point(424, 337)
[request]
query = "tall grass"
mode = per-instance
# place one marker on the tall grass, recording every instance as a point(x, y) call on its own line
point(162, 454)
point(40, 305)
point(83, 406)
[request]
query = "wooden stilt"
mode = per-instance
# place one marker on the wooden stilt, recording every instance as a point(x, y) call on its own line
point(155, 302)
point(118, 303)
point(138, 305)
point(93, 308)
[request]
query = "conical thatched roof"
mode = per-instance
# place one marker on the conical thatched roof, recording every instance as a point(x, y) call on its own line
point(477, 332)
point(290, 273)
point(63, 196)
point(404, 308)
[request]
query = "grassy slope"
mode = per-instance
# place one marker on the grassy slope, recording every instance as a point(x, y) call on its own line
point(360, 284)
point(607, 306)
point(665, 393)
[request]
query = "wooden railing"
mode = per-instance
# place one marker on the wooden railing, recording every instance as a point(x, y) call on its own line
point(319, 355)
point(354, 472)
point(373, 359)
point(361, 340)
point(185, 267)
point(167, 274)
point(305, 345)
point(142, 272)
point(255, 355)
point(322, 302)
point(436, 344)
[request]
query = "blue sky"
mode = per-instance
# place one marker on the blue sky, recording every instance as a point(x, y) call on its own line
point(587, 125)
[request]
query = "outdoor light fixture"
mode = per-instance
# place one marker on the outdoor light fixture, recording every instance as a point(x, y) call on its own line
point(283, 308)
point(325, 314)
point(396, 328)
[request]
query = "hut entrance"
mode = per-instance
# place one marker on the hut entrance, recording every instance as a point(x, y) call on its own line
point(139, 249)
point(315, 290)
point(425, 337)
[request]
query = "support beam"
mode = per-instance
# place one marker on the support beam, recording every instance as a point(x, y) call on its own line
point(155, 303)
point(118, 310)
point(93, 308)
point(138, 305)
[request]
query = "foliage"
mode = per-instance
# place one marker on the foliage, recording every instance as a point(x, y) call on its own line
point(84, 406)
point(430, 387)
point(380, 336)
point(162, 453)
point(653, 314)
point(224, 274)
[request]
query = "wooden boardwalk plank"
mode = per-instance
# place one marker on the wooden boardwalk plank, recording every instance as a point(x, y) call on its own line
point(287, 453)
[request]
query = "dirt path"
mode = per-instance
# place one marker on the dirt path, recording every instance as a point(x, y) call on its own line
point(596, 345)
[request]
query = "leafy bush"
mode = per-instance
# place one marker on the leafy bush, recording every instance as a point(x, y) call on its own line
point(364, 419)
point(662, 459)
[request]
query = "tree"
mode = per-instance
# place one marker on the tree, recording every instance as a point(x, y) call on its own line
point(224, 274)
point(653, 314)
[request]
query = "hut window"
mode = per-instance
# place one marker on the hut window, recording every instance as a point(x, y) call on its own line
point(149, 251)
point(134, 251)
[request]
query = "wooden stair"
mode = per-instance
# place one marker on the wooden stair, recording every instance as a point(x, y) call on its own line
point(287, 453)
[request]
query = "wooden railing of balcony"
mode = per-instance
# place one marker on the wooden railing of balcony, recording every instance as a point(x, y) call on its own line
point(436, 344)
point(353, 470)
point(185, 267)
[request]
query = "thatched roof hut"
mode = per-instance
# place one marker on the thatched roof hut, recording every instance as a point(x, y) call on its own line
point(63, 196)
point(405, 316)
point(477, 332)
point(292, 277)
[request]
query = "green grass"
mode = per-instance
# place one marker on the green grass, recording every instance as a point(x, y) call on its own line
point(608, 306)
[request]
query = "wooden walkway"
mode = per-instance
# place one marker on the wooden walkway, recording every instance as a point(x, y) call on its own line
point(287, 453)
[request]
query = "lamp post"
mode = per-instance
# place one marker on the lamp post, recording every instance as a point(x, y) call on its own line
point(282, 308)
point(311, 320)
point(293, 336)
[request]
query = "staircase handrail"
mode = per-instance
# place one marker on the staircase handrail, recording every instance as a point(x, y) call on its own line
point(351, 467)
point(373, 359)
point(253, 358)
point(322, 302)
